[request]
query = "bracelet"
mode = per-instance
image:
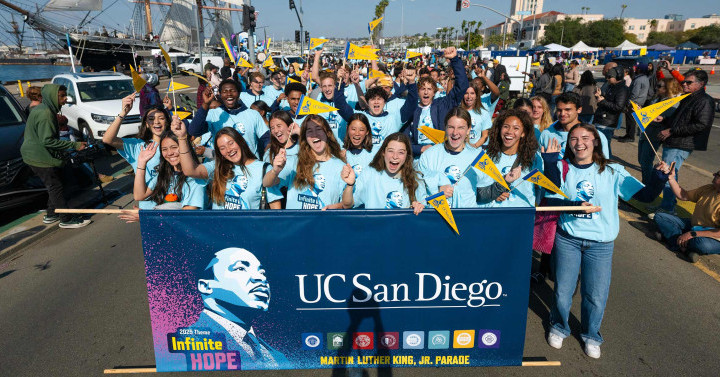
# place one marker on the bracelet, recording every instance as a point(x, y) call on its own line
point(120, 116)
point(139, 168)
point(349, 185)
point(182, 138)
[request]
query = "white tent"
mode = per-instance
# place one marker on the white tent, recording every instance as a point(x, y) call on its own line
point(553, 47)
point(582, 47)
point(626, 45)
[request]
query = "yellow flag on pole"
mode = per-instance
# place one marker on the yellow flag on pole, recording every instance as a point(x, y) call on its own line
point(541, 180)
point(374, 73)
point(412, 54)
point(196, 75)
point(176, 86)
point(182, 114)
point(289, 79)
point(373, 24)
point(643, 116)
point(138, 82)
point(227, 49)
point(243, 63)
point(308, 105)
point(436, 136)
point(317, 42)
point(268, 62)
point(484, 163)
point(167, 58)
point(355, 52)
point(441, 205)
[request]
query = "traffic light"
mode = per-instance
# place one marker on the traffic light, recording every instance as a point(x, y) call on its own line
point(307, 37)
point(292, 4)
point(249, 21)
point(297, 36)
point(458, 5)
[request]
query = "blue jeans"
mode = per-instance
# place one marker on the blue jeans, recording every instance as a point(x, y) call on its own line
point(672, 226)
point(571, 256)
point(608, 132)
point(646, 157)
point(678, 156)
point(586, 118)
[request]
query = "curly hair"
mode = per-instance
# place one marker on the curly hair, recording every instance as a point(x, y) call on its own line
point(306, 157)
point(528, 145)
point(408, 175)
point(166, 173)
point(224, 167)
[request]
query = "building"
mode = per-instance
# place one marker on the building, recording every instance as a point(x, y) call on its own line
point(532, 28)
point(531, 6)
point(642, 27)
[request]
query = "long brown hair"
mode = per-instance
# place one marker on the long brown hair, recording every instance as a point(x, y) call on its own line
point(408, 175)
point(275, 145)
point(527, 147)
point(597, 157)
point(478, 107)
point(166, 172)
point(546, 119)
point(145, 130)
point(306, 157)
point(224, 167)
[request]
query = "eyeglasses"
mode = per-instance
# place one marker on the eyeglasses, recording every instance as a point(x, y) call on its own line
point(687, 82)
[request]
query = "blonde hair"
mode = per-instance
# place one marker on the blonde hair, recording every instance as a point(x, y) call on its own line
point(546, 119)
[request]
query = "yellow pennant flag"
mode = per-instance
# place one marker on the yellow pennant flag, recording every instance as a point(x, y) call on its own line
point(412, 54)
point(227, 49)
point(440, 203)
point(296, 66)
point(484, 163)
point(138, 82)
point(289, 79)
point(643, 116)
point(268, 62)
point(374, 73)
point(317, 42)
point(176, 86)
point(243, 63)
point(267, 45)
point(196, 75)
point(358, 53)
point(182, 114)
point(373, 24)
point(308, 105)
point(167, 57)
point(541, 180)
point(436, 136)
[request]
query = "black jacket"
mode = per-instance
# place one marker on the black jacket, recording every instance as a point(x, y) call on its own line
point(609, 109)
point(691, 123)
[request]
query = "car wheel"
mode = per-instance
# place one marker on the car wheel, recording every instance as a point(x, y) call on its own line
point(87, 134)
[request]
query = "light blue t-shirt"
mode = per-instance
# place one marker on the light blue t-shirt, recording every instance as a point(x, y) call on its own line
point(561, 136)
point(377, 190)
point(440, 168)
point(248, 123)
point(337, 124)
point(243, 190)
point(440, 92)
point(425, 120)
point(598, 189)
point(359, 161)
point(394, 104)
point(482, 121)
point(130, 152)
point(328, 187)
point(193, 193)
point(271, 93)
point(523, 193)
point(383, 126)
point(537, 132)
point(351, 93)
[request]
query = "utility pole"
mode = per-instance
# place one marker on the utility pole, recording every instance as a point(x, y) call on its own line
point(200, 32)
point(148, 17)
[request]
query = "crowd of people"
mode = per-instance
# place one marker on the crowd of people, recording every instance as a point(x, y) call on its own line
point(246, 147)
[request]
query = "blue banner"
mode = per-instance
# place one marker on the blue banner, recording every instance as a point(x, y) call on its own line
point(308, 289)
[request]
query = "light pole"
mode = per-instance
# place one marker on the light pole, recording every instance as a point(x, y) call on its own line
point(502, 14)
point(623, 10)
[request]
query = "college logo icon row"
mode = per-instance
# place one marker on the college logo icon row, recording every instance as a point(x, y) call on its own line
point(409, 340)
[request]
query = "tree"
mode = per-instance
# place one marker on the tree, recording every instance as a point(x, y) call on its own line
point(497, 39)
point(632, 38)
point(566, 32)
point(379, 12)
point(704, 35)
point(671, 39)
point(604, 33)
point(653, 25)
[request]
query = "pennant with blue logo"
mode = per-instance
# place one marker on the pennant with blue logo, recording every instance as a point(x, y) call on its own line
point(308, 105)
point(541, 180)
point(441, 205)
point(484, 163)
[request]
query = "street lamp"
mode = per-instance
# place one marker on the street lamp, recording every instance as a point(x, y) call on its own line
point(402, 20)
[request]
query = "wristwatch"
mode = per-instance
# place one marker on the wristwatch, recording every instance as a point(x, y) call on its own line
point(693, 233)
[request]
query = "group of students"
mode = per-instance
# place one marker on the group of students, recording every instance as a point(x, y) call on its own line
point(372, 155)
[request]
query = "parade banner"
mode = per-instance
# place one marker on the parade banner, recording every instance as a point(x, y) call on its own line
point(644, 116)
point(336, 289)
point(316, 43)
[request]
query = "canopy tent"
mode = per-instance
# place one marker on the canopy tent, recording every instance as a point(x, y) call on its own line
point(539, 48)
point(582, 47)
point(625, 46)
point(687, 45)
point(554, 47)
point(660, 47)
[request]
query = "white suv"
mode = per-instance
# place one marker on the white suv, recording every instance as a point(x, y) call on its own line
point(94, 100)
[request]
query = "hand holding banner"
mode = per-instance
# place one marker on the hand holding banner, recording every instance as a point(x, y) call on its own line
point(138, 82)
point(644, 116)
point(316, 43)
point(541, 180)
point(436, 136)
point(308, 105)
point(484, 163)
point(410, 54)
point(440, 203)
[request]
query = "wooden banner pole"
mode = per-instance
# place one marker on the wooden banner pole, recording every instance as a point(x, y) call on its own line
point(119, 211)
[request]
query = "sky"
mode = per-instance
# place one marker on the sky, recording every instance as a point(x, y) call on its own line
point(345, 18)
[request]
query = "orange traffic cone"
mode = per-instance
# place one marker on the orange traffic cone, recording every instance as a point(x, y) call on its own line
point(712, 71)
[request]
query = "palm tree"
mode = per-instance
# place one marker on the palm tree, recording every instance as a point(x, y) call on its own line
point(451, 30)
point(653, 25)
point(623, 10)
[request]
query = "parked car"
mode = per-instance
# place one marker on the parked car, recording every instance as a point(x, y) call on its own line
point(18, 186)
point(94, 100)
point(194, 65)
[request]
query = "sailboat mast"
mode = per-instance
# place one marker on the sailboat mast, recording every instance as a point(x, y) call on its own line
point(148, 17)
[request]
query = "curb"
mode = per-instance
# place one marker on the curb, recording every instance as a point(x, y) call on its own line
point(15, 237)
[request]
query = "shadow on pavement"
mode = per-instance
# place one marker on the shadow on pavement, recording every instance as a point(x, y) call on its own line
point(15, 237)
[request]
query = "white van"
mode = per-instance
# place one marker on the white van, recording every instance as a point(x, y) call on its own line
point(193, 64)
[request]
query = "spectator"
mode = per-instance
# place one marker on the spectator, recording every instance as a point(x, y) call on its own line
point(667, 88)
point(41, 150)
point(586, 89)
point(225, 71)
point(149, 95)
point(639, 95)
point(544, 84)
point(701, 233)
point(687, 129)
point(558, 83)
point(35, 97)
point(572, 76)
point(611, 104)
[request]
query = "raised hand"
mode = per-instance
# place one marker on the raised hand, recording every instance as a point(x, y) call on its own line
point(450, 52)
point(146, 153)
point(279, 161)
point(178, 127)
point(513, 175)
point(553, 147)
point(410, 76)
point(127, 104)
point(207, 95)
point(348, 175)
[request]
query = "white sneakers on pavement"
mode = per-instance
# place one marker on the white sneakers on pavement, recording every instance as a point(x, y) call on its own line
point(592, 351)
point(554, 340)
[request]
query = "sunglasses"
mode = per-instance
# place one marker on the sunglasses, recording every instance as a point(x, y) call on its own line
point(687, 82)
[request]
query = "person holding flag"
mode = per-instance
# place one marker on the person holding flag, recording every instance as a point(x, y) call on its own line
point(447, 166)
point(315, 182)
point(294, 91)
point(667, 88)
point(231, 113)
point(585, 240)
point(432, 111)
point(390, 182)
point(513, 149)
point(327, 81)
point(284, 135)
point(382, 122)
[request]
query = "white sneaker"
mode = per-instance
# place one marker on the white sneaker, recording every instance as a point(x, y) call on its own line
point(592, 351)
point(555, 341)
